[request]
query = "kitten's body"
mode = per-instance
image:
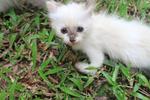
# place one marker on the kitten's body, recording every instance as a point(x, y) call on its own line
point(120, 39)
point(6, 4)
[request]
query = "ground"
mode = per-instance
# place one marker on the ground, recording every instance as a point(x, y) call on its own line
point(35, 64)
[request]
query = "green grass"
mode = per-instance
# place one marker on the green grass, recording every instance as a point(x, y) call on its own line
point(35, 64)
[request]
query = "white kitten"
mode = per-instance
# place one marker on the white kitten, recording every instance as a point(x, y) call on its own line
point(96, 34)
point(6, 4)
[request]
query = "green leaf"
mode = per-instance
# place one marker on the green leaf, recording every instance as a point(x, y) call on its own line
point(115, 73)
point(78, 83)
point(12, 39)
point(109, 78)
point(4, 70)
point(125, 71)
point(91, 68)
point(66, 1)
point(14, 17)
point(37, 20)
point(61, 55)
point(89, 81)
point(42, 73)
point(112, 6)
point(143, 80)
point(123, 8)
point(119, 93)
point(136, 87)
point(32, 37)
point(12, 90)
point(44, 64)
point(34, 54)
point(70, 91)
point(63, 78)
point(1, 38)
point(24, 29)
point(140, 96)
point(3, 95)
point(43, 76)
point(51, 36)
point(54, 70)
point(19, 50)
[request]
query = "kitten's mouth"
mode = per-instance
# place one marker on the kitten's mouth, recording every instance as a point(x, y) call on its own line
point(72, 43)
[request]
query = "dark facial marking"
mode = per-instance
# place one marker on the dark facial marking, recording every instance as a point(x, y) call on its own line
point(64, 30)
point(80, 29)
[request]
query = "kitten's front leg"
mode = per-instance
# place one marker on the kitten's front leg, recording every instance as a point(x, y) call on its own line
point(96, 58)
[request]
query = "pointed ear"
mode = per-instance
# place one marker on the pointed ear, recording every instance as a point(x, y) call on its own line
point(52, 5)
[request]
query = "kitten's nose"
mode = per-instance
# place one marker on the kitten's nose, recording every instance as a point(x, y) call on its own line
point(72, 40)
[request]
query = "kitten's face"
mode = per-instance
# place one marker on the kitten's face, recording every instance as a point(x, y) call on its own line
point(70, 21)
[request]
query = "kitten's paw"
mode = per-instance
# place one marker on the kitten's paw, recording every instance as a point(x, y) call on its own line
point(86, 68)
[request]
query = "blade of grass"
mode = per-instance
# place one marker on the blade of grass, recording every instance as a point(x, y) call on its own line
point(53, 71)
point(143, 80)
point(70, 91)
point(1, 38)
point(109, 78)
point(12, 90)
point(42, 73)
point(78, 83)
point(12, 39)
point(89, 81)
point(3, 95)
point(34, 53)
point(115, 73)
point(140, 96)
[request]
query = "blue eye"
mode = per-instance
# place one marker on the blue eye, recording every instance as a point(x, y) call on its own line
point(80, 29)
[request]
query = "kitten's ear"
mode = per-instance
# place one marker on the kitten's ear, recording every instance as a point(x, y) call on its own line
point(90, 5)
point(52, 5)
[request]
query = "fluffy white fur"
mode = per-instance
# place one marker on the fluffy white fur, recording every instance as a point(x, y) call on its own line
point(128, 41)
point(6, 4)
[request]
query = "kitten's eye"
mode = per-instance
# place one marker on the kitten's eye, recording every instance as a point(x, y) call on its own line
point(64, 30)
point(80, 29)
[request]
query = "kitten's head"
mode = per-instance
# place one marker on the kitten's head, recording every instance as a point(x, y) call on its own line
point(70, 21)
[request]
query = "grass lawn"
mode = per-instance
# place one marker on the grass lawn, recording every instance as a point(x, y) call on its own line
point(36, 65)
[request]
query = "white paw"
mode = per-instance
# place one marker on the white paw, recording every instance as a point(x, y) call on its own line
point(86, 68)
